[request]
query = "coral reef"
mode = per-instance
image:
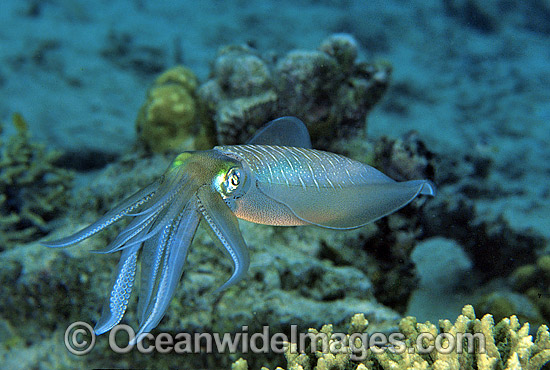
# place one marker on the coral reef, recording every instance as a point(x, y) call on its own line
point(508, 345)
point(507, 247)
point(497, 247)
point(343, 48)
point(394, 274)
point(390, 241)
point(442, 265)
point(404, 158)
point(297, 278)
point(326, 88)
point(329, 93)
point(170, 118)
point(240, 96)
point(304, 278)
point(332, 93)
point(33, 190)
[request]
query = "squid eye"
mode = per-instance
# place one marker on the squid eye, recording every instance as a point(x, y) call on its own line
point(231, 181)
point(232, 184)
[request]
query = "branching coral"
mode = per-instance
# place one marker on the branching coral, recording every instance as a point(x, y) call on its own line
point(32, 189)
point(508, 345)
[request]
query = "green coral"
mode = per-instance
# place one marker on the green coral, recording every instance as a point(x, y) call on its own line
point(33, 190)
point(508, 345)
point(170, 118)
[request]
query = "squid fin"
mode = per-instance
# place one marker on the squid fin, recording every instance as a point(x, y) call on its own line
point(347, 207)
point(284, 131)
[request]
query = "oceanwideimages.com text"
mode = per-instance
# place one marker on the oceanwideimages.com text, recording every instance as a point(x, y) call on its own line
point(80, 340)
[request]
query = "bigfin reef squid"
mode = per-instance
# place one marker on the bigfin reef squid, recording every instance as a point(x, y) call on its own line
point(274, 179)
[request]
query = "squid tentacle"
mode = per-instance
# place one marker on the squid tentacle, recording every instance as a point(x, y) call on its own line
point(167, 227)
point(123, 209)
point(136, 228)
point(115, 307)
point(181, 237)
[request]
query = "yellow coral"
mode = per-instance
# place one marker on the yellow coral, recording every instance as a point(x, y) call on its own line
point(240, 364)
point(178, 75)
point(170, 117)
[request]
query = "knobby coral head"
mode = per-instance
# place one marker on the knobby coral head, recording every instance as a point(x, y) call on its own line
point(275, 179)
